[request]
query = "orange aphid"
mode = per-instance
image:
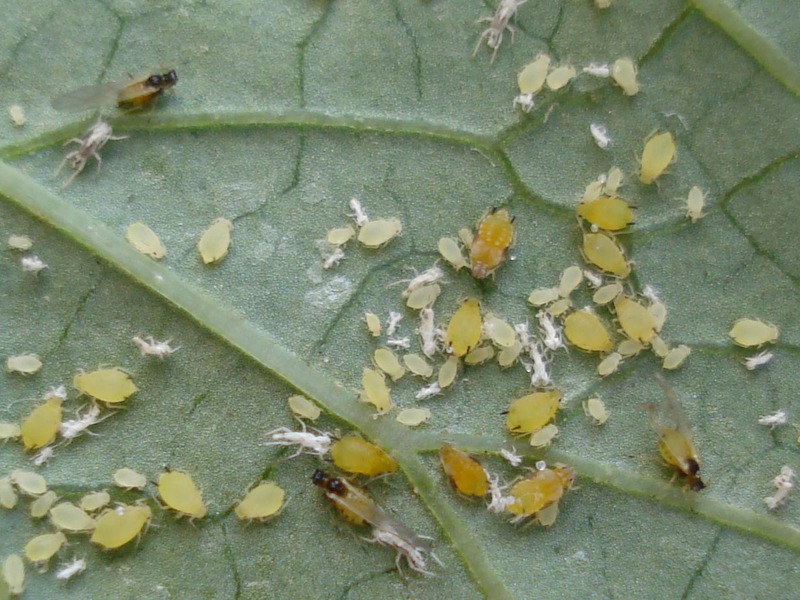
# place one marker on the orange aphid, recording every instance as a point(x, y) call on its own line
point(494, 236)
point(465, 473)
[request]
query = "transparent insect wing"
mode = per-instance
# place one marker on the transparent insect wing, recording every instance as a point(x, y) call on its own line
point(90, 96)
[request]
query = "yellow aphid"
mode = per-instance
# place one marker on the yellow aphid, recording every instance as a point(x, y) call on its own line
point(9, 431)
point(675, 436)
point(613, 181)
point(659, 152)
point(377, 233)
point(448, 372)
point(387, 361)
point(479, 355)
point(508, 356)
point(24, 364)
point(20, 243)
point(635, 320)
point(596, 409)
point(544, 437)
point(354, 454)
point(753, 332)
point(603, 251)
point(178, 492)
point(532, 412)
point(607, 212)
point(41, 506)
point(340, 235)
point(412, 417)
point(658, 310)
point(94, 501)
point(44, 547)
point(418, 365)
point(542, 296)
point(559, 307)
point(494, 236)
point(464, 330)
point(373, 322)
point(628, 347)
point(695, 203)
point(41, 426)
point(424, 296)
point(451, 252)
point(465, 473)
point(129, 479)
point(111, 385)
point(540, 490)
point(609, 364)
point(304, 408)
point(571, 278)
point(605, 294)
point(119, 525)
point(374, 390)
point(533, 76)
point(676, 357)
point(28, 482)
point(585, 330)
point(560, 76)
point(623, 72)
point(14, 574)
point(262, 502)
point(145, 240)
point(499, 331)
point(659, 347)
point(215, 241)
point(466, 236)
point(8, 495)
point(68, 517)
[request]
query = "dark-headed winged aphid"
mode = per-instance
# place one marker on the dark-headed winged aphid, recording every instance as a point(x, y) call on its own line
point(128, 94)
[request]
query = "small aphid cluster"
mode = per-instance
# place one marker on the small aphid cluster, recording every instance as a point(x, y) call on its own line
point(371, 234)
point(537, 75)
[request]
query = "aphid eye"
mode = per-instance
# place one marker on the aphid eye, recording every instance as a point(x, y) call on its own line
point(336, 486)
point(171, 78)
point(154, 81)
point(318, 478)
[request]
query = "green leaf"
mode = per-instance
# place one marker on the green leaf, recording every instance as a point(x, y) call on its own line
point(286, 110)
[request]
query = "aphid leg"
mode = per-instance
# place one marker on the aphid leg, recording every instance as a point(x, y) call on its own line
point(485, 33)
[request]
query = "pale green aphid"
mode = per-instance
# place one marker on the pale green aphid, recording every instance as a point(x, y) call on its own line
point(375, 234)
point(41, 506)
point(559, 307)
point(609, 364)
point(466, 236)
point(94, 501)
point(111, 385)
point(8, 495)
point(20, 243)
point(119, 525)
point(9, 431)
point(753, 332)
point(659, 347)
point(129, 479)
point(418, 365)
point(44, 547)
point(28, 482)
point(571, 278)
point(41, 426)
point(374, 390)
point(613, 181)
point(659, 152)
point(68, 517)
point(499, 331)
point(508, 356)
point(145, 240)
point(629, 347)
point(658, 310)
point(448, 372)
point(479, 355)
point(623, 72)
point(607, 293)
point(592, 192)
point(387, 361)
point(533, 76)
point(340, 235)
point(304, 408)
point(424, 296)
point(545, 436)
point(596, 409)
point(451, 252)
point(695, 203)
point(634, 318)
point(14, 574)
point(542, 296)
point(585, 330)
point(215, 241)
point(262, 502)
point(24, 364)
point(373, 322)
point(676, 357)
point(412, 417)
point(178, 492)
point(560, 76)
